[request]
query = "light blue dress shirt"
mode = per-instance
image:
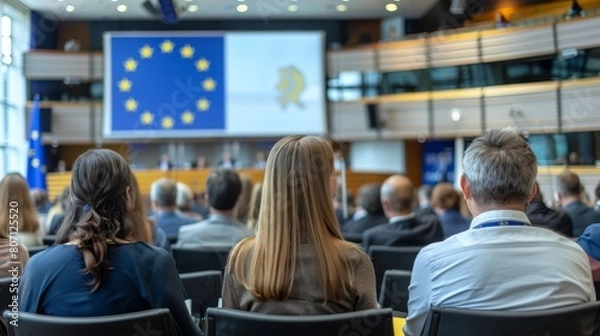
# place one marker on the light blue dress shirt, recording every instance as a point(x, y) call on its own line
point(517, 268)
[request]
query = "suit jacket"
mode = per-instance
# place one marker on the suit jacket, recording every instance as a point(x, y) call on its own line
point(415, 231)
point(453, 222)
point(541, 216)
point(582, 216)
point(170, 222)
point(363, 224)
point(217, 230)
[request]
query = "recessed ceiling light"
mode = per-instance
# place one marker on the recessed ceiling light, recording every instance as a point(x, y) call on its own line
point(193, 8)
point(293, 8)
point(122, 8)
point(114, 0)
point(61, 0)
point(189, 0)
point(391, 7)
point(341, 8)
point(70, 8)
point(345, 0)
point(242, 8)
point(241, 0)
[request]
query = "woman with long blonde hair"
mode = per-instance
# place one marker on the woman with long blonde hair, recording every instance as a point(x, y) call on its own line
point(298, 262)
point(14, 190)
point(12, 217)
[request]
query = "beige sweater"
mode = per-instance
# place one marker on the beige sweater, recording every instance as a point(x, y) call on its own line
point(306, 297)
point(8, 259)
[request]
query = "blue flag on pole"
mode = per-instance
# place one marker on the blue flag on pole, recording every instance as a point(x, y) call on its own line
point(36, 162)
point(166, 84)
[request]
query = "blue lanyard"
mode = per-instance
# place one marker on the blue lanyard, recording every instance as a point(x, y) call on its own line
point(501, 223)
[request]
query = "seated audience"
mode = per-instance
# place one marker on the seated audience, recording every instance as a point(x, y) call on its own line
point(100, 267)
point(501, 21)
point(445, 201)
point(185, 200)
point(542, 216)
point(424, 201)
point(10, 207)
point(590, 242)
point(261, 161)
point(200, 204)
point(243, 203)
point(40, 201)
point(151, 233)
point(502, 262)
point(368, 199)
point(403, 228)
point(338, 206)
point(163, 195)
point(597, 204)
point(227, 161)
point(165, 164)
point(569, 190)
point(255, 201)
point(298, 263)
point(201, 163)
point(56, 214)
point(17, 192)
point(222, 228)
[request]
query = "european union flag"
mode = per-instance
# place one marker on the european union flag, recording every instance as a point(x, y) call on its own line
point(36, 165)
point(171, 84)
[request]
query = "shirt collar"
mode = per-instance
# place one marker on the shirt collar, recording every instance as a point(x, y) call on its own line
point(397, 219)
point(500, 215)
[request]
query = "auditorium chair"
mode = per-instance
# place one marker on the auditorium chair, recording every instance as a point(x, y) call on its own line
point(49, 240)
point(394, 290)
point(204, 289)
point(392, 258)
point(201, 258)
point(150, 322)
point(578, 320)
point(230, 322)
point(353, 237)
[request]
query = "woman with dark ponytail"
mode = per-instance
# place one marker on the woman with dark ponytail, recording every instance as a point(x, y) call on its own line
point(100, 265)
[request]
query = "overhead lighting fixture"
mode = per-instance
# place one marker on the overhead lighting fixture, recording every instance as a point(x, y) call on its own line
point(193, 8)
point(391, 7)
point(114, 0)
point(189, 0)
point(293, 8)
point(455, 114)
point(243, 8)
point(345, 0)
point(341, 8)
point(122, 8)
point(61, 0)
point(70, 8)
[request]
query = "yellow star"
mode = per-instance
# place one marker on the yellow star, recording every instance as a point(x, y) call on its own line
point(130, 65)
point(125, 85)
point(187, 51)
point(187, 118)
point(35, 135)
point(146, 51)
point(31, 152)
point(167, 122)
point(167, 47)
point(35, 163)
point(147, 118)
point(131, 105)
point(209, 84)
point(203, 104)
point(202, 64)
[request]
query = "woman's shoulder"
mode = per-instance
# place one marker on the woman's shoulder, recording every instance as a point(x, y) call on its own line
point(354, 253)
point(143, 250)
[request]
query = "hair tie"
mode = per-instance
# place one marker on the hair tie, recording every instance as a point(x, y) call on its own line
point(87, 207)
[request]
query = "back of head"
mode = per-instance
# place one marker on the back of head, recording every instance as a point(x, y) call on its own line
point(184, 197)
point(424, 195)
point(500, 168)
point(163, 193)
point(296, 206)
point(14, 194)
point(39, 197)
point(223, 188)
point(370, 200)
point(101, 211)
point(243, 203)
point(568, 184)
point(445, 197)
point(397, 195)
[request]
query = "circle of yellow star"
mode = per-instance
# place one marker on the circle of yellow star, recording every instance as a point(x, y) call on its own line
point(147, 118)
point(167, 123)
point(209, 84)
point(203, 104)
point(30, 152)
point(187, 51)
point(167, 47)
point(202, 64)
point(187, 118)
point(146, 51)
point(125, 85)
point(35, 163)
point(130, 65)
point(131, 105)
point(35, 135)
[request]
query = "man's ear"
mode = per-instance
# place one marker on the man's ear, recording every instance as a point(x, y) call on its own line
point(533, 192)
point(464, 186)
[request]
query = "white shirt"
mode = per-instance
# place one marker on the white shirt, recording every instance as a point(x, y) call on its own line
point(515, 268)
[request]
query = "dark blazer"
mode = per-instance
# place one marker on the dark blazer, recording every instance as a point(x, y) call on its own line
point(453, 222)
point(170, 222)
point(582, 216)
point(416, 231)
point(363, 224)
point(542, 216)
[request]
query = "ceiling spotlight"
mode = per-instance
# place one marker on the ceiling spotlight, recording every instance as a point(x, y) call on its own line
point(61, 0)
point(455, 114)
point(192, 8)
point(293, 8)
point(391, 7)
point(242, 8)
point(70, 8)
point(114, 0)
point(341, 8)
point(122, 8)
point(189, 0)
point(345, 0)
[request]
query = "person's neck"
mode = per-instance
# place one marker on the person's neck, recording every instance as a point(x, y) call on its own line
point(165, 209)
point(226, 213)
point(478, 210)
point(568, 200)
point(402, 213)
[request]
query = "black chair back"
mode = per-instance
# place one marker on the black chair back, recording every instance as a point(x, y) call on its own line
point(392, 258)
point(577, 320)
point(36, 249)
point(150, 322)
point(49, 240)
point(204, 289)
point(394, 290)
point(229, 322)
point(201, 258)
point(353, 237)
